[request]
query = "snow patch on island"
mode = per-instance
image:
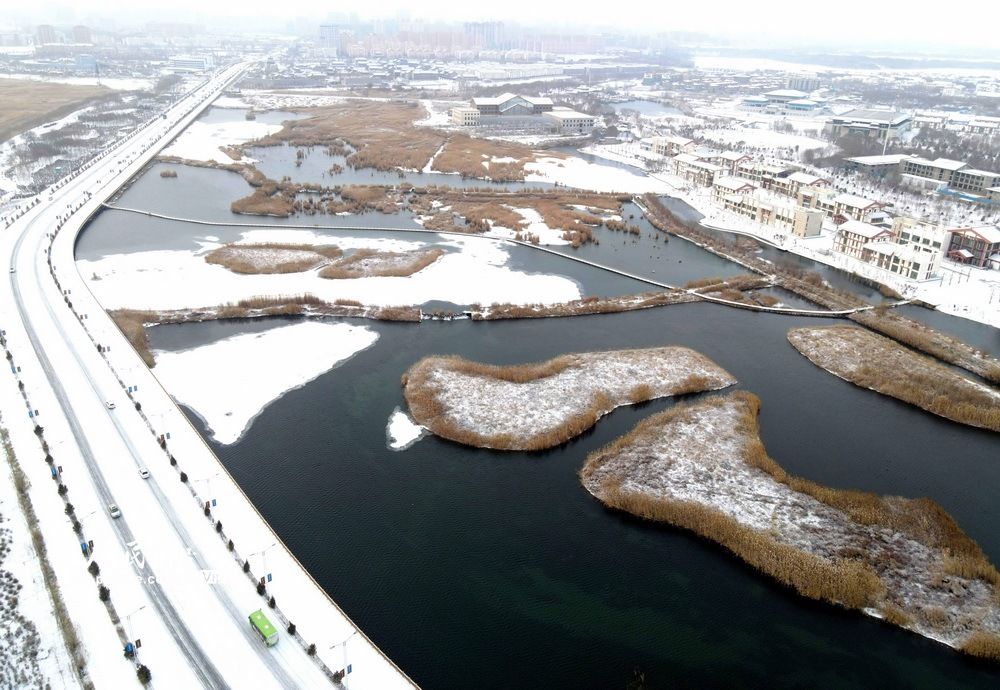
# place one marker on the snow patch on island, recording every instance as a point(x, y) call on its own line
point(228, 383)
point(402, 432)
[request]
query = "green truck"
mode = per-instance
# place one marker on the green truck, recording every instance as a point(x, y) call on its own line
point(264, 628)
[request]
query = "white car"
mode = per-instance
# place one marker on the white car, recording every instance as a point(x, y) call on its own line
point(113, 511)
point(144, 473)
point(110, 405)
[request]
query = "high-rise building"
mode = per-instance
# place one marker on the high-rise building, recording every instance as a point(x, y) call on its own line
point(485, 34)
point(81, 34)
point(45, 33)
point(329, 37)
point(801, 83)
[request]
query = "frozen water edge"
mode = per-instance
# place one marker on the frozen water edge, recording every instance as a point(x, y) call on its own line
point(230, 382)
point(402, 432)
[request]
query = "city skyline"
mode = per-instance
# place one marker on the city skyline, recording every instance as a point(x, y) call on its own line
point(855, 25)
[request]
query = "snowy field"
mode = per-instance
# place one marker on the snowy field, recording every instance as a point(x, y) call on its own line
point(114, 83)
point(533, 224)
point(231, 381)
point(761, 138)
point(696, 455)
point(527, 415)
point(582, 174)
point(203, 141)
point(474, 270)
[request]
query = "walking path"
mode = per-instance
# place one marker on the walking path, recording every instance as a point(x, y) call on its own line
point(709, 298)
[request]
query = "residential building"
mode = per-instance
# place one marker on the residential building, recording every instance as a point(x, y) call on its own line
point(725, 186)
point(883, 124)
point(803, 83)
point(789, 185)
point(978, 182)
point(760, 172)
point(940, 169)
point(854, 237)
point(81, 34)
point(464, 116)
point(924, 236)
point(976, 246)
point(566, 121)
point(908, 262)
point(730, 161)
point(879, 166)
point(785, 216)
point(45, 34)
point(668, 146)
point(854, 207)
point(693, 169)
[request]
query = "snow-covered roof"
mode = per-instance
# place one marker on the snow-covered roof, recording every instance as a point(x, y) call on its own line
point(686, 158)
point(733, 155)
point(889, 159)
point(786, 93)
point(856, 227)
point(755, 99)
point(805, 178)
point(503, 98)
point(802, 101)
point(854, 201)
point(734, 183)
point(990, 233)
point(566, 114)
point(873, 116)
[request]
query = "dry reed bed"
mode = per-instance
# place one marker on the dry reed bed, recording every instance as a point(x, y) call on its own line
point(372, 263)
point(466, 156)
point(872, 361)
point(930, 341)
point(132, 322)
point(537, 406)
point(272, 257)
point(703, 467)
point(382, 133)
point(583, 306)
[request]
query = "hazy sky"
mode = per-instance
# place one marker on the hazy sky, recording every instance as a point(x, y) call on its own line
point(887, 22)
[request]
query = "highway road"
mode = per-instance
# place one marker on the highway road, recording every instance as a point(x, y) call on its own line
point(199, 635)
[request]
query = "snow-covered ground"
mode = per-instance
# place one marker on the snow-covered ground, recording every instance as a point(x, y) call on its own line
point(540, 409)
point(115, 83)
point(231, 381)
point(203, 141)
point(760, 137)
point(582, 174)
point(696, 454)
point(401, 432)
point(268, 100)
point(31, 652)
point(474, 271)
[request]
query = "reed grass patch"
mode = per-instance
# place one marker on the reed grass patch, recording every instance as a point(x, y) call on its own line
point(871, 361)
point(371, 263)
point(272, 257)
point(702, 467)
point(540, 405)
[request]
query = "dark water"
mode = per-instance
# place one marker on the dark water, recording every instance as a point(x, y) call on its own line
point(473, 568)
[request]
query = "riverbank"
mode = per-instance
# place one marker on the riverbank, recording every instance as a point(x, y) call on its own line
point(537, 406)
point(703, 467)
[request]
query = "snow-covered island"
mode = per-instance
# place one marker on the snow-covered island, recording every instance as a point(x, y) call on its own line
point(536, 406)
point(704, 468)
point(880, 364)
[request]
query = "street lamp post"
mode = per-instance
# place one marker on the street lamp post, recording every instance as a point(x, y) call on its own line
point(343, 643)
